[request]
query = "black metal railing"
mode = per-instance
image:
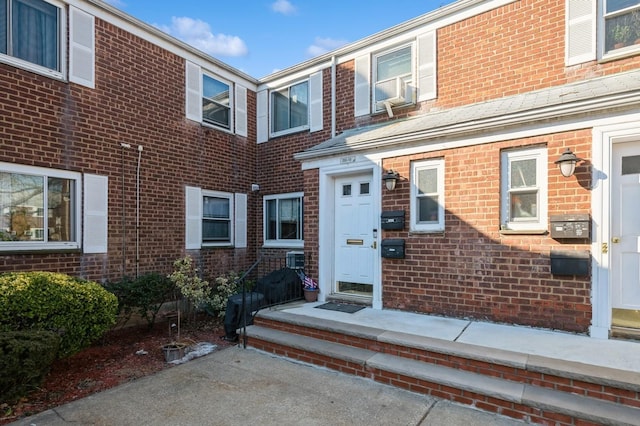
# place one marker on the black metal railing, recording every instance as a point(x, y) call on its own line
point(258, 293)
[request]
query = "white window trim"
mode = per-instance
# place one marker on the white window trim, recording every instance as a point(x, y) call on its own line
point(56, 245)
point(229, 196)
point(616, 53)
point(273, 134)
point(231, 102)
point(410, 87)
point(280, 243)
point(438, 165)
point(540, 155)
point(60, 74)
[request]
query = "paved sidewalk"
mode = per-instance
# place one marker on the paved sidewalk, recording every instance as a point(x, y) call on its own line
point(244, 387)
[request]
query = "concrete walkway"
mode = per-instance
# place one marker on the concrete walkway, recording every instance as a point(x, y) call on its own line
point(238, 386)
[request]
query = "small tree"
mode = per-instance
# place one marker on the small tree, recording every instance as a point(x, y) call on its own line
point(190, 286)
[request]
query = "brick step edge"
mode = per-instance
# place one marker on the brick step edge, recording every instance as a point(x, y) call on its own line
point(598, 375)
point(379, 365)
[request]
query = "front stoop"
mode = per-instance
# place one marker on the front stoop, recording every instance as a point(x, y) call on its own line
point(526, 387)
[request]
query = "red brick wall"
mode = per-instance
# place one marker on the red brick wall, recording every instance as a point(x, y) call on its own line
point(471, 269)
point(513, 49)
point(138, 99)
point(278, 172)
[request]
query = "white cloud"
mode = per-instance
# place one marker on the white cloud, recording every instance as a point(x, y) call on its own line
point(198, 34)
point(324, 45)
point(283, 6)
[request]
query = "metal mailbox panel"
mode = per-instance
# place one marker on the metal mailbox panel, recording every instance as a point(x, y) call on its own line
point(570, 262)
point(392, 248)
point(392, 220)
point(570, 226)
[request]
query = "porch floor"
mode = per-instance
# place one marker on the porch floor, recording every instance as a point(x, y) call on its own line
point(618, 354)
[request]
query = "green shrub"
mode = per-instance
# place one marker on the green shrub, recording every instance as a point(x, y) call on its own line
point(225, 286)
point(25, 360)
point(79, 311)
point(143, 295)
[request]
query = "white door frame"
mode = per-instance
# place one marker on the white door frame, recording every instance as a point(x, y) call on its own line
point(602, 146)
point(326, 228)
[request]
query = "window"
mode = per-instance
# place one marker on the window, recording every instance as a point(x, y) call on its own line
point(38, 208)
point(290, 108)
point(217, 212)
point(283, 220)
point(216, 102)
point(214, 219)
point(30, 33)
point(427, 195)
point(622, 24)
point(524, 190)
point(393, 77)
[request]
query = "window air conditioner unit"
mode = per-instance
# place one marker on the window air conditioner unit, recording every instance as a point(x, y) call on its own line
point(295, 260)
point(391, 92)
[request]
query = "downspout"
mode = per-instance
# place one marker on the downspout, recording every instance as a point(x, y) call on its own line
point(124, 217)
point(333, 96)
point(138, 212)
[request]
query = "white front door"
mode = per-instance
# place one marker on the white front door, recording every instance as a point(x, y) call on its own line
point(355, 239)
point(625, 230)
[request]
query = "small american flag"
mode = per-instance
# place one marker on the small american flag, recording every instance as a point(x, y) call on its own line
point(309, 283)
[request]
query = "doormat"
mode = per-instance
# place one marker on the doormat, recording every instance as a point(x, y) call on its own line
point(341, 307)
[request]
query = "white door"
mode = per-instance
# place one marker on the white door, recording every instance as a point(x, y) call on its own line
point(625, 227)
point(355, 239)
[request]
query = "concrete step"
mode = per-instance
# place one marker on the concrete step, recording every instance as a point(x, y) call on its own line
point(526, 387)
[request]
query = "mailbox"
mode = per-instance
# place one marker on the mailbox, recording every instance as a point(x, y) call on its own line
point(570, 262)
point(570, 226)
point(392, 220)
point(393, 248)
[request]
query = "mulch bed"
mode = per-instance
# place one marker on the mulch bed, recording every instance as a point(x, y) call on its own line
point(121, 356)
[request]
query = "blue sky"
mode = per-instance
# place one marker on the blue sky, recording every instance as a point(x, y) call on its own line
point(263, 36)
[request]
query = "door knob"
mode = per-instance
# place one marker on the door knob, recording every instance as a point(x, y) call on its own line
point(615, 240)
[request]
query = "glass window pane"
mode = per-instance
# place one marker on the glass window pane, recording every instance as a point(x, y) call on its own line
point(394, 64)
point(621, 30)
point(299, 105)
point(346, 190)
point(215, 102)
point(34, 29)
point(21, 206)
point(523, 173)
point(524, 205)
point(215, 207)
point(3, 26)
point(289, 219)
point(364, 188)
point(272, 220)
point(215, 231)
point(280, 110)
point(631, 165)
point(428, 209)
point(60, 215)
point(613, 5)
point(427, 181)
point(289, 209)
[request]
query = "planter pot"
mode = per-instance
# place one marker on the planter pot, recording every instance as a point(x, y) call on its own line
point(174, 351)
point(310, 295)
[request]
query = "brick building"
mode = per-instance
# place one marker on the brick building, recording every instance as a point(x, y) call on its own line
point(140, 148)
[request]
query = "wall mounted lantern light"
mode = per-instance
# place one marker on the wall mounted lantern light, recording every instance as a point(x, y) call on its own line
point(390, 178)
point(567, 163)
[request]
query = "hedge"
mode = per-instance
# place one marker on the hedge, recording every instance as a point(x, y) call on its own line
point(25, 360)
point(78, 311)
